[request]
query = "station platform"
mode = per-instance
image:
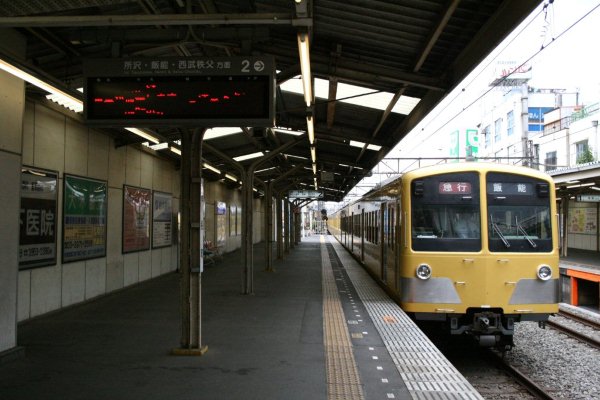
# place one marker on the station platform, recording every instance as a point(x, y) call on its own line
point(582, 260)
point(580, 279)
point(316, 328)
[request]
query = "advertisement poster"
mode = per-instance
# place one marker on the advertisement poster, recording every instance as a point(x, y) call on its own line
point(162, 219)
point(232, 215)
point(582, 220)
point(37, 220)
point(84, 218)
point(136, 219)
point(221, 220)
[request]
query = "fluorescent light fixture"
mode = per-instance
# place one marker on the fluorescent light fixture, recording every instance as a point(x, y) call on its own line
point(143, 134)
point(314, 168)
point(304, 50)
point(220, 132)
point(289, 131)
point(159, 146)
point(313, 154)
point(293, 156)
point(249, 156)
point(208, 166)
point(311, 130)
point(175, 150)
point(59, 94)
point(356, 143)
point(76, 106)
point(231, 177)
point(574, 181)
point(265, 169)
point(582, 185)
point(595, 188)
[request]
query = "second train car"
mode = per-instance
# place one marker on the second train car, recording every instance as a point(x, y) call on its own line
point(473, 246)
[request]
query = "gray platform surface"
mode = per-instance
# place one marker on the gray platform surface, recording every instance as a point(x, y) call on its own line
point(265, 346)
point(269, 345)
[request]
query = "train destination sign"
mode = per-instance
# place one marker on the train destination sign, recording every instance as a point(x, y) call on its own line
point(233, 91)
point(305, 194)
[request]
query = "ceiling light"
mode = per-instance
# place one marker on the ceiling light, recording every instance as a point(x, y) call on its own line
point(304, 50)
point(581, 185)
point(143, 134)
point(289, 131)
point(311, 130)
point(313, 154)
point(314, 168)
point(208, 166)
point(175, 150)
point(249, 156)
point(220, 132)
point(293, 156)
point(595, 188)
point(159, 146)
point(356, 143)
point(231, 177)
point(59, 94)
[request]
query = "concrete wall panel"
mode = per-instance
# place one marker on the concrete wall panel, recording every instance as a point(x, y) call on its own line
point(76, 148)
point(116, 166)
point(49, 144)
point(73, 283)
point(24, 293)
point(145, 265)
point(131, 268)
point(45, 290)
point(95, 277)
point(97, 155)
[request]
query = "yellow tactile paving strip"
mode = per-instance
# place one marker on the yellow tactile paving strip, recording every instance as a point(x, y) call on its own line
point(425, 371)
point(343, 381)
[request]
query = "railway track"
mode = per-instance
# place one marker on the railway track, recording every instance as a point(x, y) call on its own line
point(532, 387)
point(493, 376)
point(554, 324)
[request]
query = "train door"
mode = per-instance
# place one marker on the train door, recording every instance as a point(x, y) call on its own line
point(383, 234)
point(352, 222)
point(362, 235)
point(396, 245)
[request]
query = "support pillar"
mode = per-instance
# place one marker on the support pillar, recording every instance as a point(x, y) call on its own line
point(269, 228)
point(286, 218)
point(192, 231)
point(279, 217)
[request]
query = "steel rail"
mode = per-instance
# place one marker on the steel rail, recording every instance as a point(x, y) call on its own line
point(533, 388)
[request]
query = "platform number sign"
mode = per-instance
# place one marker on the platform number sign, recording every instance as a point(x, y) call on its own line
point(234, 91)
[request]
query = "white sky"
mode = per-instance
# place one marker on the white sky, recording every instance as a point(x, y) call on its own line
point(570, 60)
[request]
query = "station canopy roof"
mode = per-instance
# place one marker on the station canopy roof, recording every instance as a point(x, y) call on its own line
point(407, 54)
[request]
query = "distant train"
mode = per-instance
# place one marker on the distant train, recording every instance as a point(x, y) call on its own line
point(473, 246)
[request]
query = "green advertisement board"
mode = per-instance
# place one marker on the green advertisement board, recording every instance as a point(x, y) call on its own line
point(84, 218)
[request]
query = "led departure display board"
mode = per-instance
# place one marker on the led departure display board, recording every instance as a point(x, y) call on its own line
point(209, 92)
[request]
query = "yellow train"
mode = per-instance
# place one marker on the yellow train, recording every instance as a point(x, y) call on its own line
point(473, 246)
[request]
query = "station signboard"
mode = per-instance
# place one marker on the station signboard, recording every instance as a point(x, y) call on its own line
point(590, 198)
point(305, 194)
point(209, 92)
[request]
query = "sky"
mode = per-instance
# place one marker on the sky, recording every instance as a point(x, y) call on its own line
point(560, 43)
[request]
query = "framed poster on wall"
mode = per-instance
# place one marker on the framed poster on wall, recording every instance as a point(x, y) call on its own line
point(162, 219)
point(37, 218)
point(221, 220)
point(136, 219)
point(85, 203)
point(232, 215)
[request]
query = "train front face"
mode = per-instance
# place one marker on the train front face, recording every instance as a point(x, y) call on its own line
point(480, 252)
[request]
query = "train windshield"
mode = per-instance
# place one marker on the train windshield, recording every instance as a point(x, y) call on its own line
point(519, 218)
point(446, 213)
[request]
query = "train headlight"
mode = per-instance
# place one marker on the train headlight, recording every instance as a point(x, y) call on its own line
point(544, 272)
point(423, 271)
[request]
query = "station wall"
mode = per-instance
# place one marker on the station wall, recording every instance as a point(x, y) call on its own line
point(52, 140)
point(12, 99)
